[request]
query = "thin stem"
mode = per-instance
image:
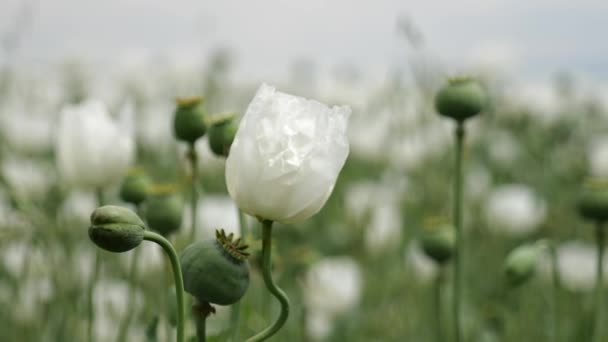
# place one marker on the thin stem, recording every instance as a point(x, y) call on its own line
point(133, 274)
point(272, 287)
point(193, 188)
point(437, 301)
point(91, 295)
point(200, 322)
point(599, 281)
point(200, 311)
point(555, 295)
point(235, 313)
point(457, 217)
point(177, 276)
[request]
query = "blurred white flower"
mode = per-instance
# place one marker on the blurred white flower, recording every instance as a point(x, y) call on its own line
point(514, 209)
point(423, 267)
point(361, 198)
point(154, 126)
point(384, 228)
point(77, 208)
point(27, 178)
point(14, 256)
point(92, 149)
point(504, 149)
point(38, 134)
point(541, 98)
point(319, 325)
point(597, 156)
point(333, 286)
point(576, 262)
point(477, 181)
point(421, 143)
point(286, 156)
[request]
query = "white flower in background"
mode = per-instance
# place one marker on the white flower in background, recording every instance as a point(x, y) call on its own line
point(154, 124)
point(286, 156)
point(384, 228)
point(77, 208)
point(504, 148)
point(319, 325)
point(332, 286)
point(423, 267)
point(425, 141)
point(597, 155)
point(477, 181)
point(514, 209)
point(541, 98)
point(92, 149)
point(39, 136)
point(110, 301)
point(27, 178)
point(215, 212)
point(576, 262)
point(361, 198)
point(14, 256)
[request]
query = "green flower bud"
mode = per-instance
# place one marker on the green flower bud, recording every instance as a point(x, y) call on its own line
point(135, 187)
point(116, 229)
point(439, 244)
point(593, 200)
point(189, 119)
point(216, 270)
point(520, 264)
point(221, 134)
point(164, 209)
point(460, 99)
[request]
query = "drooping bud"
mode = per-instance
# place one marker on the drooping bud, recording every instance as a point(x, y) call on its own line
point(520, 264)
point(116, 229)
point(189, 119)
point(135, 187)
point(216, 270)
point(460, 99)
point(439, 243)
point(164, 209)
point(221, 134)
point(593, 200)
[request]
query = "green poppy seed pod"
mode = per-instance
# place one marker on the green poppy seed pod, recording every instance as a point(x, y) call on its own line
point(521, 264)
point(189, 119)
point(116, 229)
point(460, 99)
point(593, 200)
point(216, 270)
point(439, 244)
point(221, 135)
point(164, 209)
point(135, 187)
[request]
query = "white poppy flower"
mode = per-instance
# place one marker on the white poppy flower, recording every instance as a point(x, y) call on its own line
point(514, 209)
point(92, 149)
point(286, 156)
point(27, 178)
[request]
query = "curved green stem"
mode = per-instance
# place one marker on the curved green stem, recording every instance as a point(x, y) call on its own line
point(235, 313)
point(177, 276)
point(457, 217)
point(599, 282)
point(194, 193)
point(272, 287)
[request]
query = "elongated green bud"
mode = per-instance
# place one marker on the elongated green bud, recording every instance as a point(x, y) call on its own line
point(116, 229)
point(189, 119)
point(460, 99)
point(520, 264)
point(593, 200)
point(135, 187)
point(216, 270)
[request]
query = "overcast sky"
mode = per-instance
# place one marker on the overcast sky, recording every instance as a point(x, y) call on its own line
point(534, 38)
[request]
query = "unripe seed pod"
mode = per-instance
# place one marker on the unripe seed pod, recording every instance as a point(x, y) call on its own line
point(135, 187)
point(593, 200)
point(221, 135)
point(216, 270)
point(164, 210)
point(116, 229)
point(520, 264)
point(460, 99)
point(189, 119)
point(439, 244)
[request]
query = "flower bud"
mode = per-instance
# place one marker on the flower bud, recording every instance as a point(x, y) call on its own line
point(593, 200)
point(135, 187)
point(116, 229)
point(221, 135)
point(439, 244)
point(460, 99)
point(521, 264)
point(189, 119)
point(164, 209)
point(216, 270)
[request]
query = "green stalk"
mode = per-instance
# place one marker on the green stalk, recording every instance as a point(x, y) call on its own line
point(555, 285)
point(272, 287)
point(457, 217)
point(200, 312)
point(177, 276)
point(200, 321)
point(235, 313)
point(93, 281)
point(437, 303)
point(124, 327)
point(599, 282)
point(194, 193)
